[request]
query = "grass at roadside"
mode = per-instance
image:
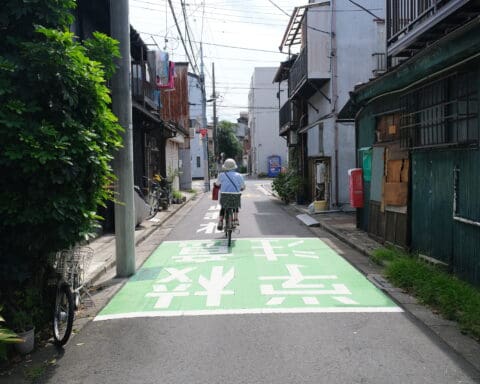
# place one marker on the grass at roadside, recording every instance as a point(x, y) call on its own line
point(454, 299)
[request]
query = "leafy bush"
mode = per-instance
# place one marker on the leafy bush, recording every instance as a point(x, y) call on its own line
point(58, 134)
point(287, 185)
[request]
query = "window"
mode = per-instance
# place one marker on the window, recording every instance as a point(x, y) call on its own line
point(320, 138)
point(198, 162)
point(441, 113)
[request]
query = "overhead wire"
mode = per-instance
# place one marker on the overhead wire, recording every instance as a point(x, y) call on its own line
point(187, 32)
point(180, 32)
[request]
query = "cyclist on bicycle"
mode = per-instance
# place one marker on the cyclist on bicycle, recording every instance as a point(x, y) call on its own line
point(229, 181)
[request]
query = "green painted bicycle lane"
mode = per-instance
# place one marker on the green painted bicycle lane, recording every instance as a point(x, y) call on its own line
point(257, 275)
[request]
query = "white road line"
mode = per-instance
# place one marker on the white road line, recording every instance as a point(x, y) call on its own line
point(253, 311)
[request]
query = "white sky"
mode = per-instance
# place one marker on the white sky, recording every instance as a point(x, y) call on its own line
point(250, 24)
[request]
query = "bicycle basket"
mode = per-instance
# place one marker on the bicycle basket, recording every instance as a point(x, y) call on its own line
point(72, 263)
point(230, 199)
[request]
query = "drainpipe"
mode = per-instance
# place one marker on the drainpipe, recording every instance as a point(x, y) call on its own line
point(333, 55)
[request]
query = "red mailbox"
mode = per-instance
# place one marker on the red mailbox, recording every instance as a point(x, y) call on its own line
point(355, 177)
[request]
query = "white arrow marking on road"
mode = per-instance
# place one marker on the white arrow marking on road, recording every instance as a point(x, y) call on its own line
point(207, 228)
point(214, 287)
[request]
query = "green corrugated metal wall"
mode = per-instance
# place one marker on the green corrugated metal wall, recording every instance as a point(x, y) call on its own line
point(434, 232)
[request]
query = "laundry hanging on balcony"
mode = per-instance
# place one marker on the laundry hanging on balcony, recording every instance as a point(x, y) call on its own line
point(162, 69)
point(170, 83)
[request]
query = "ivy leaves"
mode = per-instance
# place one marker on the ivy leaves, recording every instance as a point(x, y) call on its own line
point(58, 132)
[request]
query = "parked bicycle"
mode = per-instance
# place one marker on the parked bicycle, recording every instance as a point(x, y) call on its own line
point(231, 202)
point(159, 194)
point(70, 266)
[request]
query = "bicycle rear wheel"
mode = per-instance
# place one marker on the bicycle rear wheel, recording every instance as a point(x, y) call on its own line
point(63, 314)
point(152, 201)
point(229, 226)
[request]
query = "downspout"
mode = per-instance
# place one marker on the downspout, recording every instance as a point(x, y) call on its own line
point(333, 55)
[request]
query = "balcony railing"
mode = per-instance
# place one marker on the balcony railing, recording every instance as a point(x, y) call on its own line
point(404, 15)
point(298, 72)
point(379, 63)
point(143, 91)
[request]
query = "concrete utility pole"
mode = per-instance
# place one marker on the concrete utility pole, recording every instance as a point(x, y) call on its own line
point(205, 123)
point(123, 162)
point(214, 97)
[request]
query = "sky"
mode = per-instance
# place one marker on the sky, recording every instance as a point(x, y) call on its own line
point(237, 35)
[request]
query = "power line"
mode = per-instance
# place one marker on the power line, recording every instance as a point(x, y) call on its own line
point(217, 19)
point(188, 33)
point(365, 9)
point(276, 6)
point(224, 46)
point(180, 33)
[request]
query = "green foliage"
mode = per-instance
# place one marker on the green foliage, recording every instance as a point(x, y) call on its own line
point(287, 184)
point(58, 134)
point(227, 141)
point(455, 299)
point(25, 309)
point(102, 49)
point(242, 169)
point(383, 256)
point(177, 194)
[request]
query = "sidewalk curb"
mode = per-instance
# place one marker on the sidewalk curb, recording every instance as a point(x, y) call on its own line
point(146, 234)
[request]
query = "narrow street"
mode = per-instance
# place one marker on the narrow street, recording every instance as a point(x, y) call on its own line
point(280, 306)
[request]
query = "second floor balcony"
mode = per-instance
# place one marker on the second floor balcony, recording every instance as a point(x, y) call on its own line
point(414, 24)
point(144, 91)
point(311, 68)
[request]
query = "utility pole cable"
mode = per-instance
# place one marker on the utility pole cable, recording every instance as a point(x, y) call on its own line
point(123, 162)
point(180, 34)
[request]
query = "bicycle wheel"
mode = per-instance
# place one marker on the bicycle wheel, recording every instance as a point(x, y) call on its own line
point(228, 226)
point(152, 201)
point(63, 314)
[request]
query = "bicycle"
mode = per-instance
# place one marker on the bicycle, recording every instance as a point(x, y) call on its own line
point(230, 201)
point(70, 266)
point(158, 195)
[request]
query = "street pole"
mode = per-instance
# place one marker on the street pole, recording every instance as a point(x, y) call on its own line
point(123, 162)
point(205, 124)
point(214, 97)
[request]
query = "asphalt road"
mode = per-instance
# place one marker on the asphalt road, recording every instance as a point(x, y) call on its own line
point(235, 338)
